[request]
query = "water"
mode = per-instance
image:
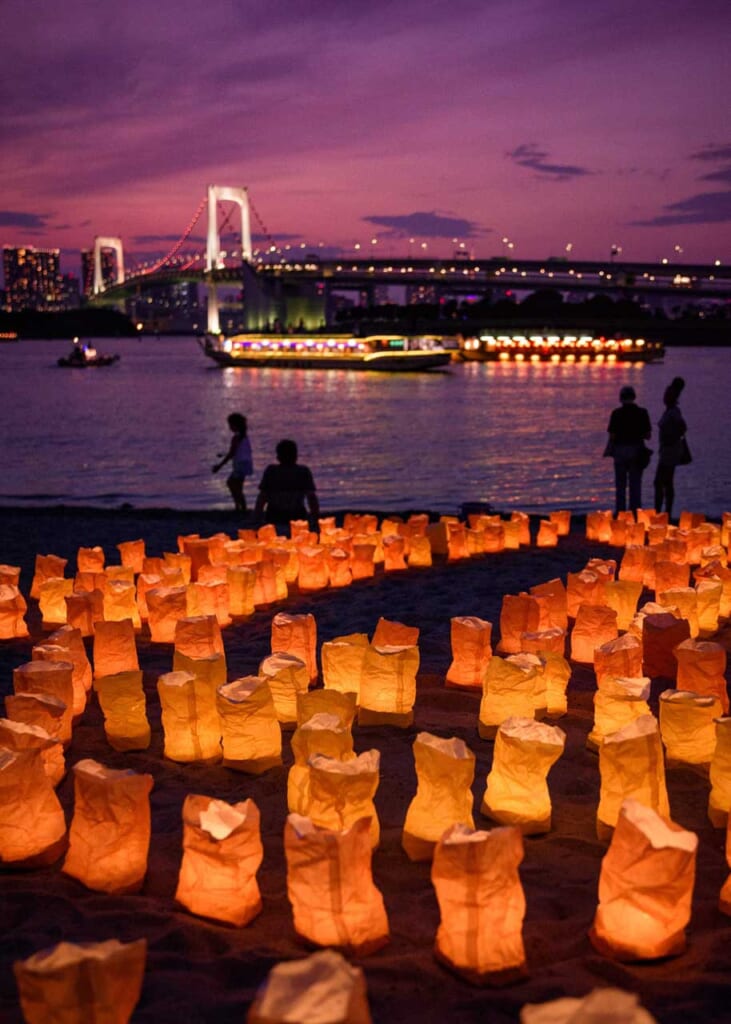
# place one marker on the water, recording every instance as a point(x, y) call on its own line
point(147, 430)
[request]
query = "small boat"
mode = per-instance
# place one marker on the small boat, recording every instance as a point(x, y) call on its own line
point(389, 352)
point(559, 348)
point(82, 355)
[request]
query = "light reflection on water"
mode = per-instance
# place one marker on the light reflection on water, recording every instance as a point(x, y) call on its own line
point(147, 430)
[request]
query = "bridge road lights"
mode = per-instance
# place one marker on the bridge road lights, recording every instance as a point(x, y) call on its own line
point(507, 246)
point(616, 250)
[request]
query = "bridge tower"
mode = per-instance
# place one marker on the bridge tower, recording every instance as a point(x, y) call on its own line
point(214, 259)
point(100, 242)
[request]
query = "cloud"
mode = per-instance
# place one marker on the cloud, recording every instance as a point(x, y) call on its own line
point(713, 153)
point(426, 224)
point(705, 208)
point(724, 175)
point(535, 159)
point(17, 219)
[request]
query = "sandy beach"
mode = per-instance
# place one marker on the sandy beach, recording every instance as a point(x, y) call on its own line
point(199, 972)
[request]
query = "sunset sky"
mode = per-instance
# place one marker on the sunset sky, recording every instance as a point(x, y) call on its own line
point(549, 122)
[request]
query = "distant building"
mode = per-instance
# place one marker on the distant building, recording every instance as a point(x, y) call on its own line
point(109, 269)
point(32, 279)
point(70, 296)
point(169, 308)
point(421, 294)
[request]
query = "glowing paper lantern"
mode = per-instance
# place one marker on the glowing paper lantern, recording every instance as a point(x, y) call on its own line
point(178, 560)
point(122, 700)
point(662, 632)
point(32, 824)
point(508, 691)
point(222, 853)
point(70, 641)
point(671, 575)
point(493, 538)
point(618, 536)
point(287, 676)
point(91, 581)
point(394, 553)
point(623, 596)
point(645, 886)
point(553, 593)
point(556, 676)
point(420, 553)
point(520, 613)
point(251, 736)
point(213, 573)
point(724, 900)
point(90, 559)
point(329, 702)
point(481, 903)
point(394, 634)
point(330, 886)
point(198, 550)
point(599, 526)
point(209, 598)
point(471, 651)
point(38, 709)
point(523, 519)
point(9, 575)
point(687, 725)
point(119, 572)
point(338, 567)
point(721, 573)
point(513, 530)
point(91, 981)
point(456, 542)
point(321, 987)
point(631, 765)
point(266, 583)
point(313, 571)
point(341, 792)
point(708, 594)
point(132, 554)
point(685, 599)
point(562, 519)
point(547, 534)
point(19, 736)
point(702, 669)
point(189, 716)
point(297, 635)
point(52, 600)
point(388, 686)
point(165, 605)
point(198, 636)
point(115, 648)
point(109, 836)
point(635, 563)
point(13, 607)
point(342, 663)
point(517, 783)
point(322, 734)
point(84, 609)
point(719, 799)
point(545, 640)
point(362, 563)
point(585, 587)
point(51, 677)
point(445, 770)
point(618, 702)
point(46, 567)
point(595, 625)
point(241, 586)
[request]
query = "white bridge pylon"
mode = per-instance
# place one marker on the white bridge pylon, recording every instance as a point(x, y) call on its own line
point(231, 194)
point(100, 243)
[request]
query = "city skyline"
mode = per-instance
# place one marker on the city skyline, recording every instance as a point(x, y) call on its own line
point(534, 128)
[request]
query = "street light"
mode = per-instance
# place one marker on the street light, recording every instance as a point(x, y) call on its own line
point(616, 250)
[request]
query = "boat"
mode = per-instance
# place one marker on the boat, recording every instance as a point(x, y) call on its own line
point(558, 348)
point(82, 356)
point(389, 352)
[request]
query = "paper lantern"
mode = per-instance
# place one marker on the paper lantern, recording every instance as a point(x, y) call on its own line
point(213, 573)
point(122, 700)
point(724, 899)
point(81, 670)
point(610, 1005)
point(623, 596)
point(71, 983)
point(38, 709)
point(493, 538)
point(662, 632)
point(322, 734)
point(198, 636)
point(555, 680)
point(553, 593)
point(545, 640)
point(619, 701)
point(547, 534)
point(517, 783)
point(266, 590)
point(9, 575)
point(287, 676)
point(286, 559)
point(362, 564)
point(635, 563)
point(132, 554)
point(189, 717)
point(523, 519)
point(420, 553)
point(179, 560)
point(619, 657)
point(32, 824)
point(341, 792)
point(685, 600)
point(598, 526)
point(719, 799)
point(241, 586)
point(330, 702)
point(595, 625)
point(585, 587)
point(394, 553)
point(251, 737)
point(671, 575)
point(330, 886)
point(562, 519)
point(475, 543)
point(198, 550)
point(471, 651)
point(338, 567)
point(13, 607)
point(115, 648)
point(165, 605)
point(631, 765)
point(52, 600)
point(618, 534)
point(91, 581)
point(297, 635)
point(708, 594)
point(222, 853)
point(702, 669)
point(342, 663)
point(605, 568)
point(313, 571)
point(509, 689)
point(687, 726)
point(388, 686)
point(46, 567)
point(532, 663)
point(84, 609)
point(457, 548)
point(520, 613)
point(115, 573)
point(513, 530)
point(481, 904)
point(721, 574)
point(445, 770)
point(321, 987)
point(19, 736)
point(645, 886)
point(109, 836)
point(52, 677)
point(656, 533)
point(209, 598)
point(389, 633)
point(90, 559)
point(154, 566)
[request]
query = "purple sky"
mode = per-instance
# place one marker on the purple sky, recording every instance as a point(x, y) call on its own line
point(549, 122)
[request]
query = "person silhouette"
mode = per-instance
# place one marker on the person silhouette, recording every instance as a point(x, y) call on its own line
point(672, 446)
point(629, 428)
point(240, 457)
point(286, 488)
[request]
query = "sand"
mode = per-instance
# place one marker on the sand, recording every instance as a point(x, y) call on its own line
point(199, 972)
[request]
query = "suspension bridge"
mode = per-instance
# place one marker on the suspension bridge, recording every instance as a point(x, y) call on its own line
point(285, 284)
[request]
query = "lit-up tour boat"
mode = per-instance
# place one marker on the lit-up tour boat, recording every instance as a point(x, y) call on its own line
point(82, 356)
point(388, 352)
point(559, 348)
